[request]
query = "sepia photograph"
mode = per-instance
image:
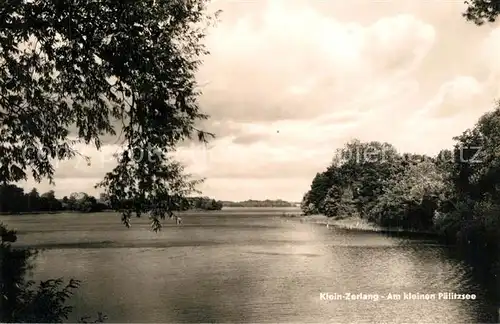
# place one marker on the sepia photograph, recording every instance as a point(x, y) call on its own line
point(250, 161)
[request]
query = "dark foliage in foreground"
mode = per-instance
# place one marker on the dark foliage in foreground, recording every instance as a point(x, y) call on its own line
point(95, 68)
point(75, 71)
point(24, 301)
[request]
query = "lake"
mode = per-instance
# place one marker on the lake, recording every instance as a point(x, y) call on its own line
point(248, 265)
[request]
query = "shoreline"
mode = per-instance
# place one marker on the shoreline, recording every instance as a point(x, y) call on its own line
point(115, 211)
point(358, 224)
point(54, 212)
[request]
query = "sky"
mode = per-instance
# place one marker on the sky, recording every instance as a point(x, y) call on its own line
point(288, 82)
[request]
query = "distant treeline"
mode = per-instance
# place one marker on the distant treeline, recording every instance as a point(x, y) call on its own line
point(204, 203)
point(258, 203)
point(14, 200)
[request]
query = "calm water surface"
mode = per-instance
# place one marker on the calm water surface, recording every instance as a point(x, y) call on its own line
point(240, 265)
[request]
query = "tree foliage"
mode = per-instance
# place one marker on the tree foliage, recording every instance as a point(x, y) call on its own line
point(482, 11)
point(13, 199)
point(203, 203)
point(455, 193)
point(76, 71)
point(357, 175)
point(411, 199)
point(24, 301)
point(92, 65)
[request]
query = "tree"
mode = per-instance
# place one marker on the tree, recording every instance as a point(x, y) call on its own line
point(91, 67)
point(412, 198)
point(215, 205)
point(486, 189)
point(357, 176)
point(49, 202)
point(319, 188)
point(306, 205)
point(34, 199)
point(23, 301)
point(339, 202)
point(49, 195)
point(87, 204)
point(482, 11)
point(11, 198)
point(70, 64)
point(83, 202)
point(66, 203)
point(472, 207)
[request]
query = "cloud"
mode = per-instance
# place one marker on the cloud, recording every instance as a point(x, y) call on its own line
point(455, 97)
point(249, 138)
point(292, 62)
point(489, 62)
point(65, 186)
point(456, 106)
point(490, 49)
point(101, 161)
point(258, 160)
point(240, 189)
point(398, 44)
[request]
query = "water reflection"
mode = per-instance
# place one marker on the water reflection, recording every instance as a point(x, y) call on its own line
point(249, 267)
